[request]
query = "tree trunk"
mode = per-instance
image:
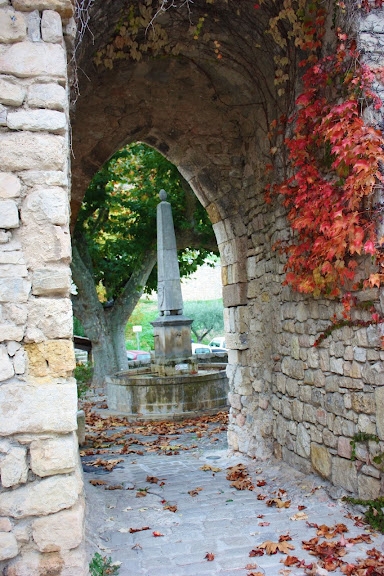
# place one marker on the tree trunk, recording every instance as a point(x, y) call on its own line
point(105, 327)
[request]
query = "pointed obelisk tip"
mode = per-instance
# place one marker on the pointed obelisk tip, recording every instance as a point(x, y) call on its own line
point(163, 195)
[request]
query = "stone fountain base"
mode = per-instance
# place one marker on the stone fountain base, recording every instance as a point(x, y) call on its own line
point(140, 394)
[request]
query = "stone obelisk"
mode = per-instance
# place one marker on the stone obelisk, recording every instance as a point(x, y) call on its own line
point(172, 330)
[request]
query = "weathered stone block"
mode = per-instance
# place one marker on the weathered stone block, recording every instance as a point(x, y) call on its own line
point(51, 27)
point(9, 185)
point(6, 366)
point(321, 460)
point(344, 448)
point(60, 531)
point(344, 474)
point(40, 498)
point(9, 214)
point(8, 546)
point(51, 96)
point(51, 282)
point(40, 152)
point(292, 368)
point(38, 408)
point(63, 7)
point(28, 59)
point(379, 400)
point(37, 120)
point(235, 294)
point(363, 402)
point(9, 332)
point(11, 93)
point(46, 205)
point(33, 26)
point(12, 26)
point(13, 468)
point(46, 244)
point(303, 441)
point(368, 487)
point(54, 456)
point(52, 316)
point(19, 362)
point(55, 358)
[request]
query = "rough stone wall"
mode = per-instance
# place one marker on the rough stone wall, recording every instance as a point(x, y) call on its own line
point(41, 503)
point(310, 400)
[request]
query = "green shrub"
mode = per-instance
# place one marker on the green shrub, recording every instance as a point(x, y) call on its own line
point(83, 374)
point(102, 566)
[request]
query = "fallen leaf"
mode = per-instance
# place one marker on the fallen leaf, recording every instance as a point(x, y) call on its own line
point(250, 566)
point(209, 556)
point(256, 552)
point(261, 483)
point(273, 547)
point(114, 487)
point(170, 507)
point(195, 491)
point(299, 516)
point(208, 468)
point(152, 479)
point(137, 547)
point(278, 503)
point(98, 482)
point(264, 523)
point(134, 530)
point(141, 493)
point(157, 534)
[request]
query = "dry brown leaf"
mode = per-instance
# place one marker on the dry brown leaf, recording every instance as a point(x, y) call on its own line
point(157, 534)
point(170, 507)
point(98, 482)
point(152, 479)
point(273, 547)
point(209, 556)
point(278, 503)
point(134, 530)
point(208, 468)
point(195, 491)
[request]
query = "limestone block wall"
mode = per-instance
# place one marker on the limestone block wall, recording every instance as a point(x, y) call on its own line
point(303, 402)
point(41, 503)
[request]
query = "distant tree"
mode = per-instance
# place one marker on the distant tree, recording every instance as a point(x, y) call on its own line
point(114, 245)
point(207, 316)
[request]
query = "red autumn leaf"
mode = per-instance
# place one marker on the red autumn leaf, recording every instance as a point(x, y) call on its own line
point(209, 556)
point(157, 534)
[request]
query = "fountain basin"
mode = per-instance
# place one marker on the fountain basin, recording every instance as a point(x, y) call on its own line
point(141, 394)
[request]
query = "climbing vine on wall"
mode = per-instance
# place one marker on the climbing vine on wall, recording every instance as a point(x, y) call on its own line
point(335, 160)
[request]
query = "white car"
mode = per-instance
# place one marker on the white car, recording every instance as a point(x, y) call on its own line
point(218, 342)
point(200, 348)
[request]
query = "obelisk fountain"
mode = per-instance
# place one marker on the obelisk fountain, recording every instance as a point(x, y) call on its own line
point(172, 330)
point(174, 386)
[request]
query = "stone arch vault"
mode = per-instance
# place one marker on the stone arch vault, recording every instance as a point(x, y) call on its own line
point(204, 103)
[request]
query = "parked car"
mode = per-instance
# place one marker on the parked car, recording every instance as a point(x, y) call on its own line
point(218, 342)
point(200, 348)
point(139, 355)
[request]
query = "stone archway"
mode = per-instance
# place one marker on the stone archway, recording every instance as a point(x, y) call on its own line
point(209, 115)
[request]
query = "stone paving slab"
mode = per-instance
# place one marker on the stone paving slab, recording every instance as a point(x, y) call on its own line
point(219, 519)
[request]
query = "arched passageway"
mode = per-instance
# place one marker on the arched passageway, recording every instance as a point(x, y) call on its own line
point(206, 104)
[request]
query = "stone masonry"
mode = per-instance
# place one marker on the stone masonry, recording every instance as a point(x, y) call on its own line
point(302, 402)
point(41, 500)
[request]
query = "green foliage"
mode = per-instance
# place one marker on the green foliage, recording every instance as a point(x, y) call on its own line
point(374, 514)
point(83, 374)
point(207, 316)
point(117, 220)
point(362, 437)
point(145, 312)
point(78, 329)
point(102, 566)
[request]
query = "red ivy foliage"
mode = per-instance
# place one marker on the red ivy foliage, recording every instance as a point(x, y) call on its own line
point(336, 162)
